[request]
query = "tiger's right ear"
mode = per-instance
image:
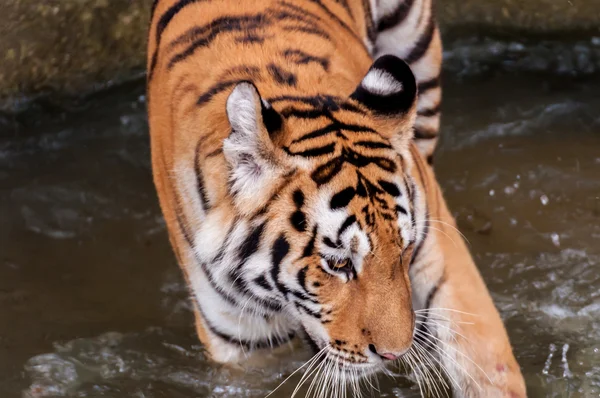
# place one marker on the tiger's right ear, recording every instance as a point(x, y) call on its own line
point(256, 164)
point(389, 92)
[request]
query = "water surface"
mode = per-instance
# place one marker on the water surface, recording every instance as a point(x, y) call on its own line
point(92, 303)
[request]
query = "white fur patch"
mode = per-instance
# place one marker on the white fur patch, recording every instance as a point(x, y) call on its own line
point(252, 175)
point(211, 235)
point(380, 82)
point(400, 39)
point(241, 108)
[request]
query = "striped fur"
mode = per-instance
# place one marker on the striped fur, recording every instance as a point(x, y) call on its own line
point(292, 171)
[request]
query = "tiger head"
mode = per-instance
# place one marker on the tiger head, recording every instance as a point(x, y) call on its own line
point(331, 177)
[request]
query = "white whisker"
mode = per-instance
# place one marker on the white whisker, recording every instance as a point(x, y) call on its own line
point(424, 336)
point(451, 226)
point(311, 360)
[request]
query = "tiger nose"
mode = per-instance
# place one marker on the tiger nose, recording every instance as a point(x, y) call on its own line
point(386, 355)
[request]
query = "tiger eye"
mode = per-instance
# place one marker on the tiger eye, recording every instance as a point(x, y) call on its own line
point(343, 266)
point(339, 264)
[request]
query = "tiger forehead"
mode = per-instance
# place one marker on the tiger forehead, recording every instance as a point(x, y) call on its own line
point(338, 140)
point(310, 118)
point(373, 206)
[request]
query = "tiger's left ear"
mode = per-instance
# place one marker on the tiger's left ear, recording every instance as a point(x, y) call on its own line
point(256, 164)
point(389, 92)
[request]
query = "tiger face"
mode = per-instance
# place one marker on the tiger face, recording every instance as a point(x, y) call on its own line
point(327, 187)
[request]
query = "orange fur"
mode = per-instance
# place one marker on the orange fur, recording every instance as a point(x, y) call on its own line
point(198, 53)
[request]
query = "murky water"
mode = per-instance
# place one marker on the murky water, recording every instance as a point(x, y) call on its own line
point(92, 304)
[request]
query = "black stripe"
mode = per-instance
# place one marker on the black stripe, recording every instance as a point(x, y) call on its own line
point(346, 224)
point(304, 114)
point(428, 84)
point(300, 11)
point(400, 209)
point(310, 246)
point(154, 4)
point(247, 344)
point(301, 279)
point(317, 133)
point(250, 39)
point(239, 283)
point(298, 221)
point(317, 101)
point(325, 173)
point(221, 252)
point(304, 296)
point(344, 3)
point(200, 185)
point(214, 153)
point(251, 243)
point(351, 108)
point(311, 30)
point(430, 297)
point(310, 21)
point(246, 24)
point(314, 152)
point(168, 16)
point(182, 227)
point(333, 127)
point(209, 32)
point(389, 187)
point(223, 294)
point(263, 210)
point(231, 300)
point(342, 198)
point(162, 24)
point(301, 58)
point(428, 112)
point(370, 26)
point(244, 252)
point(309, 340)
point(328, 242)
point(420, 244)
point(395, 17)
point(340, 22)
point(298, 197)
point(282, 76)
point(422, 133)
point(306, 310)
point(262, 282)
point(360, 161)
point(280, 249)
point(217, 89)
point(422, 45)
point(373, 144)
point(271, 119)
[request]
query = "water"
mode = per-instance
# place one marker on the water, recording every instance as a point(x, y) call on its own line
point(92, 303)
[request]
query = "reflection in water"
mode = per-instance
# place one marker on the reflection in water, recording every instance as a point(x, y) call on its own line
point(92, 304)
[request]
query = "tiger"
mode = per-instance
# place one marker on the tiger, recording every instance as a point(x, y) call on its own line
point(292, 153)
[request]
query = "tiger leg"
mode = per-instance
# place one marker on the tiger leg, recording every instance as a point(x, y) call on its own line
point(407, 29)
point(460, 325)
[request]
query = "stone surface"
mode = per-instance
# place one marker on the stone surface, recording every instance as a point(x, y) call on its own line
point(539, 16)
point(70, 47)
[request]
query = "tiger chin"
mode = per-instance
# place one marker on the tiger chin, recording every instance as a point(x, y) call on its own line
point(291, 150)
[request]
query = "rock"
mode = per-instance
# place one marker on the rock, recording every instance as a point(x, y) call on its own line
point(73, 47)
point(69, 46)
point(537, 16)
